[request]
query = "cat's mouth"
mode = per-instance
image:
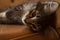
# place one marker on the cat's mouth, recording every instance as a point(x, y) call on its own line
point(34, 27)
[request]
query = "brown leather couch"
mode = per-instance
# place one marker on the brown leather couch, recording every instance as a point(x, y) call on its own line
point(20, 32)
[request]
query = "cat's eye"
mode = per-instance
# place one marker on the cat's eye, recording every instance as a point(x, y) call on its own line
point(32, 13)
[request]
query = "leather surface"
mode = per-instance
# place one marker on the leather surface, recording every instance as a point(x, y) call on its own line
point(20, 32)
point(14, 32)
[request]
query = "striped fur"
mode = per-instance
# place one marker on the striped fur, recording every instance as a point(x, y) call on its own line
point(36, 16)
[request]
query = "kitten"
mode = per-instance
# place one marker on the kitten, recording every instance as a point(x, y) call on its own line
point(36, 16)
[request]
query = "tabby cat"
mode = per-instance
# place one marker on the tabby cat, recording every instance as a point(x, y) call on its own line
point(37, 16)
